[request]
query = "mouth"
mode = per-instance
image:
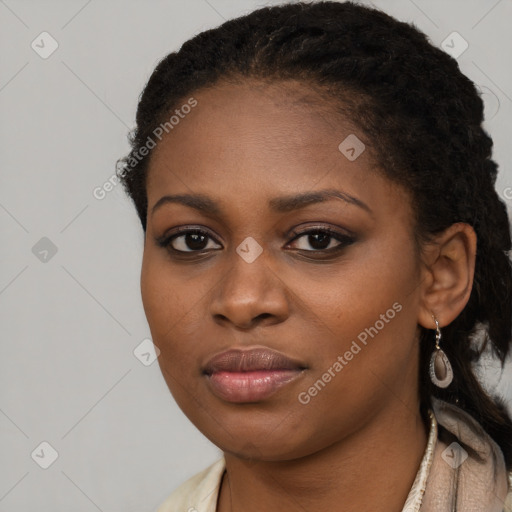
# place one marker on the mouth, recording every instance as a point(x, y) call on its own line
point(245, 376)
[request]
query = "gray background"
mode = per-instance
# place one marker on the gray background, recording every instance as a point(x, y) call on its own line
point(71, 319)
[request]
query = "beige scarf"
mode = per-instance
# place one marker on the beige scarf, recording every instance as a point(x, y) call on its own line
point(468, 471)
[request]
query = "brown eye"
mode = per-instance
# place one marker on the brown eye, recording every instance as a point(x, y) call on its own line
point(322, 239)
point(188, 240)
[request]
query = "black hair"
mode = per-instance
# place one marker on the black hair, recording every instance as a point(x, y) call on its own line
point(421, 116)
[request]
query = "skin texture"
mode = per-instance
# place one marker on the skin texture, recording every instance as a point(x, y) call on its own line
point(242, 145)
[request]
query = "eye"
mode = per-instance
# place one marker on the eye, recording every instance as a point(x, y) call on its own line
point(194, 240)
point(322, 239)
point(185, 240)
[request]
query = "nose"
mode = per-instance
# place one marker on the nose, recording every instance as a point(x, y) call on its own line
point(250, 294)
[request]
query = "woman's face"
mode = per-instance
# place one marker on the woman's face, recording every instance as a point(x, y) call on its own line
point(340, 309)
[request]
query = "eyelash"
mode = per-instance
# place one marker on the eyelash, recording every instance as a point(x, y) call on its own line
point(344, 239)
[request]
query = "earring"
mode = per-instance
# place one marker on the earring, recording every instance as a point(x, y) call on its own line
point(440, 368)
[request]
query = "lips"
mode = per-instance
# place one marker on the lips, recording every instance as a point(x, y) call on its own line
point(250, 375)
point(237, 360)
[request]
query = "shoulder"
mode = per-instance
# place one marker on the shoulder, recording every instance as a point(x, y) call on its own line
point(468, 466)
point(198, 493)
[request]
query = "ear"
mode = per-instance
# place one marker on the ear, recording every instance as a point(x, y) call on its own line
point(448, 269)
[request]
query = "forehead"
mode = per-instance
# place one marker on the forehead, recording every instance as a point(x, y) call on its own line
point(248, 142)
point(255, 125)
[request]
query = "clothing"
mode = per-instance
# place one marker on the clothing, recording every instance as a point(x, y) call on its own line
point(468, 476)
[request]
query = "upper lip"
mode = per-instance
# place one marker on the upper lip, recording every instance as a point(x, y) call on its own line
point(238, 360)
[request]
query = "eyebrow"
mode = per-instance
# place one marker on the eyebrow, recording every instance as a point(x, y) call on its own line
point(282, 204)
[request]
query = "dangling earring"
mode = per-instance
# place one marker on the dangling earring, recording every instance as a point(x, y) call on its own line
point(441, 372)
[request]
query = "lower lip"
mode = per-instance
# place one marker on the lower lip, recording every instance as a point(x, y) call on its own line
point(252, 386)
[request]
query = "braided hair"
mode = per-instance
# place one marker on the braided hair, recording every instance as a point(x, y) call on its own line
point(423, 117)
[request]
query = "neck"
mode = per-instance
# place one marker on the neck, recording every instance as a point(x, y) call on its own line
point(372, 469)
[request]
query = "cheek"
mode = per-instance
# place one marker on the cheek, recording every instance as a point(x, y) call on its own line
point(171, 309)
point(367, 312)
point(354, 295)
point(165, 301)
point(368, 355)
point(175, 305)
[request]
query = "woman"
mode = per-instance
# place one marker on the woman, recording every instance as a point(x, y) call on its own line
point(325, 257)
